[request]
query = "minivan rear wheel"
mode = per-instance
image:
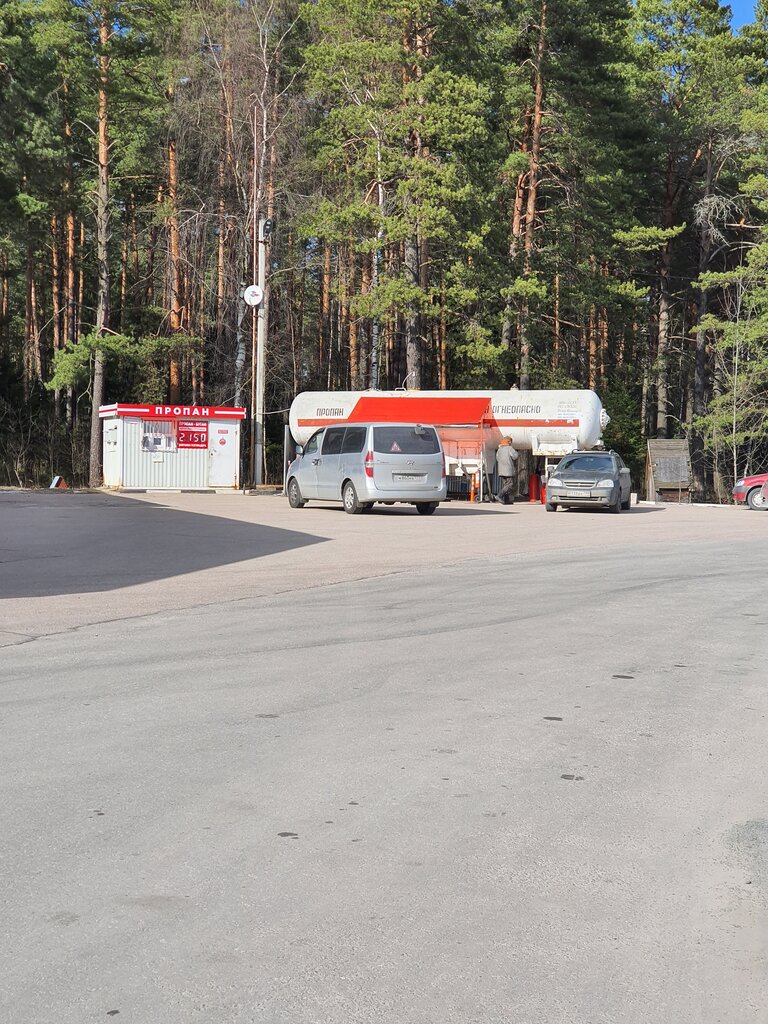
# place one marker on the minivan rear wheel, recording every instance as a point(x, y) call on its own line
point(352, 504)
point(426, 508)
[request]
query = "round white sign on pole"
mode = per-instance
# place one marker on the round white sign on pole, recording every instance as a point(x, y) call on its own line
point(253, 295)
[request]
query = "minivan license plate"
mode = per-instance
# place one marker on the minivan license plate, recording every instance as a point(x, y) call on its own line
point(408, 478)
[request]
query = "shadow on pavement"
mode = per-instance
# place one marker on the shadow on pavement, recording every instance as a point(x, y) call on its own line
point(634, 511)
point(69, 543)
point(447, 508)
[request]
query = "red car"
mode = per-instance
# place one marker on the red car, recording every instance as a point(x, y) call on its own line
point(752, 491)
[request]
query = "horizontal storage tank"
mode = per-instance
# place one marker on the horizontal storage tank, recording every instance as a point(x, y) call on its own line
point(542, 422)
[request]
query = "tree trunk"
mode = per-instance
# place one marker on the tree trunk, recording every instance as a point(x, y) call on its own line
point(241, 347)
point(413, 365)
point(644, 402)
point(665, 326)
point(151, 249)
point(80, 283)
point(102, 250)
point(443, 347)
point(533, 192)
point(300, 327)
point(556, 329)
point(123, 282)
point(364, 330)
point(671, 197)
point(56, 301)
point(4, 298)
point(354, 349)
point(135, 269)
point(222, 211)
point(325, 311)
point(376, 257)
point(700, 381)
point(33, 368)
point(175, 296)
point(592, 370)
point(517, 228)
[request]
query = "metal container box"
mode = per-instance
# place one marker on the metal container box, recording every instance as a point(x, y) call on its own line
point(171, 447)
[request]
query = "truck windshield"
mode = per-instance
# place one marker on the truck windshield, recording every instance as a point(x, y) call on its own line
point(587, 464)
point(405, 441)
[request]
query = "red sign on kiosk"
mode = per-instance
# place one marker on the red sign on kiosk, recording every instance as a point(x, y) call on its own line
point(192, 434)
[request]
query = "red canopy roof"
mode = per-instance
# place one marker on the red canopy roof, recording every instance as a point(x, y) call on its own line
point(417, 409)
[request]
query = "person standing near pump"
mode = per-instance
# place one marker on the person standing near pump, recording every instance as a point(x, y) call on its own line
point(506, 457)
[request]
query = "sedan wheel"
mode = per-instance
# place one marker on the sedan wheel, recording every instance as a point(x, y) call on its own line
point(755, 500)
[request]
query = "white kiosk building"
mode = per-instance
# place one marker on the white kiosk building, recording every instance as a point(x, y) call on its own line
point(171, 447)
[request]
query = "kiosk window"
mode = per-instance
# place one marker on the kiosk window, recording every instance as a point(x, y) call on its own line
point(157, 436)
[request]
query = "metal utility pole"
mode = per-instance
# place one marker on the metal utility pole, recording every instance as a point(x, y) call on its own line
point(258, 353)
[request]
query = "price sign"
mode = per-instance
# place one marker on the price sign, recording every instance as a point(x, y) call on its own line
point(192, 434)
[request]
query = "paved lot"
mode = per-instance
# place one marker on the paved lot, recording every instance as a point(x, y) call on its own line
point(491, 766)
point(73, 559)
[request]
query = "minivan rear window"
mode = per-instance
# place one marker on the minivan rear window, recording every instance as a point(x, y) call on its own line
point(405, 441)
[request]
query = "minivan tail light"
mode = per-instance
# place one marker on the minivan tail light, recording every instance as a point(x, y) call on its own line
point(442, 468)
point(368, 464)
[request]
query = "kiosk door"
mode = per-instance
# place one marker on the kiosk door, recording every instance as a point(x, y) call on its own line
point(222, 455)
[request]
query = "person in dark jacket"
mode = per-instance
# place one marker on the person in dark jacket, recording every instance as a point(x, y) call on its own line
point(506, 457)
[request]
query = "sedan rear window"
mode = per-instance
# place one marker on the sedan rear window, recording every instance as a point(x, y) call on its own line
point(588, 464)
point(405, 441)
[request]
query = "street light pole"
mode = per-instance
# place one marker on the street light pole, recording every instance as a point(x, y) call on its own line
point(258, 360)
point(261, 346)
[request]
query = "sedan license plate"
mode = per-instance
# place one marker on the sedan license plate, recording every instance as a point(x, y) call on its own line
point(408, 478)
point(578, 494)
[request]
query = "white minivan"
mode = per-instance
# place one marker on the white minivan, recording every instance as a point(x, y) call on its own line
point(362, 463)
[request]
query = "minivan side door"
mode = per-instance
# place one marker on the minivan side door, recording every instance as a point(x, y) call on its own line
point(352, 460)
point(328, 482)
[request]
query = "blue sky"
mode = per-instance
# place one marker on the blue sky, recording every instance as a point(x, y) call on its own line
point(743, 11)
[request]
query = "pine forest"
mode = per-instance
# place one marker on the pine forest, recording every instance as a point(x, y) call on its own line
point(461, 193)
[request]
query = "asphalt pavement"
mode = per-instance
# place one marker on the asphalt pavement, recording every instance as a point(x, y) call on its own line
point(263, 766)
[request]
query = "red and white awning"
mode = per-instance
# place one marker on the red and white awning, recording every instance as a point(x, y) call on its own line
point(173, 412)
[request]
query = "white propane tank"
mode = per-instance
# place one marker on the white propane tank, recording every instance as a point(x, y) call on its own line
point(542, 422)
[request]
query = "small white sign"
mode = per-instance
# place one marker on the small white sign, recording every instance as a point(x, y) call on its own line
point(253, 295)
